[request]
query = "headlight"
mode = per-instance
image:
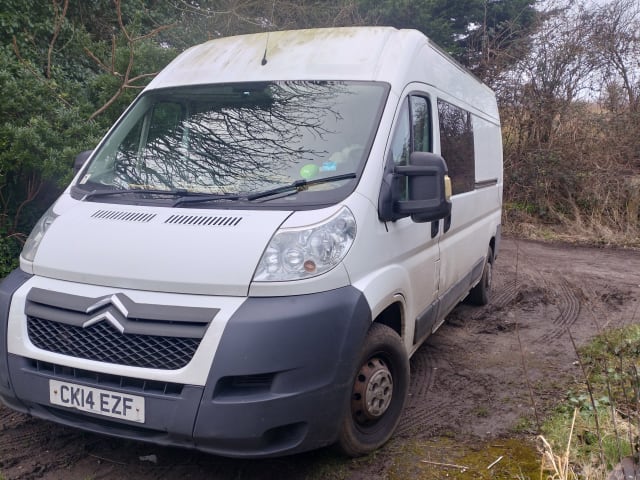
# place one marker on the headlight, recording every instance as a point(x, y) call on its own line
point(296, 253)
point(31, 245)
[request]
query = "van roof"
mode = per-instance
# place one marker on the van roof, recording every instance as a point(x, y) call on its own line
point(322, 53)
point(346, 53)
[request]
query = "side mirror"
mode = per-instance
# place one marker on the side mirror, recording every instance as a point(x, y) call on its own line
point(80, 160)
point(428, 190)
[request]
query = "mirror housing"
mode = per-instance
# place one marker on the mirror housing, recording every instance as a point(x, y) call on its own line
point(428, 185)
point(80, 160)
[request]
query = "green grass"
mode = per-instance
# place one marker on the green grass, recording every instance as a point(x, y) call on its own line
point(607, 403)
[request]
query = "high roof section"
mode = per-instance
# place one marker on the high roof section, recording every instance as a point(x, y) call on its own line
point(349, 53)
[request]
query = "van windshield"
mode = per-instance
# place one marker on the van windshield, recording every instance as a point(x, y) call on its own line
point(234, 140)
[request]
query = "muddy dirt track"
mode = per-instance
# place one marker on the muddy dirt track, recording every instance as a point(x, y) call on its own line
point(468, 380)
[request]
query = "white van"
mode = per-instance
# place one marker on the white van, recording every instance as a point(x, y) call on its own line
point(247, 261)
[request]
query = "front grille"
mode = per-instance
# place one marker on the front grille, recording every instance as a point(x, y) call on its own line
point(115, 329)
point(103, 343)
point(139, 386)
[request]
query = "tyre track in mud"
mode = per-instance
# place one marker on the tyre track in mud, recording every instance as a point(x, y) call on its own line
point(23, 440)
point(421, 406)
point(569, 306)
point(506, 294)
point(537, 284)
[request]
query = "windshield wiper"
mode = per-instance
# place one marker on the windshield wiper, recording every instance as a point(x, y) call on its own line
point(203, 198)
point(137, 191)
point(299, 185)
point(185, 196)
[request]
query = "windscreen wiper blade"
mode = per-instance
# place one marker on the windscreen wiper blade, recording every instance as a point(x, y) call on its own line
point(137, 191)
point(184, 196)
point(203, 198)
point(299, 185)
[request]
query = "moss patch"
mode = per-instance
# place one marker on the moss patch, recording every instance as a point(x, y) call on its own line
point(444, 458)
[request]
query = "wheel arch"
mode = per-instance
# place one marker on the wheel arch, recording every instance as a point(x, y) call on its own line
point(492, 244)
point(393, 317)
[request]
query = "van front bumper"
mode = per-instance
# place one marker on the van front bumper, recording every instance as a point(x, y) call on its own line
point(279, 382)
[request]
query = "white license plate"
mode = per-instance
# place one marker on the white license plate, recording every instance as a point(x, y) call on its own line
point(96, 400)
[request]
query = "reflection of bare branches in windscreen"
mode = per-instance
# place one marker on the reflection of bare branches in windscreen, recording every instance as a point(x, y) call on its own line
point(240, 140)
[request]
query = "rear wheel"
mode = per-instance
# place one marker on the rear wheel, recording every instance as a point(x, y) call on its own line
point(378, 394)
point(481, 293)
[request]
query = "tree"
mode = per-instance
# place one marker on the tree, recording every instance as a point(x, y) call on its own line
point(476, 32)
point(561, 145)
point(616, 41)
point(67, 69)
point(208, 19)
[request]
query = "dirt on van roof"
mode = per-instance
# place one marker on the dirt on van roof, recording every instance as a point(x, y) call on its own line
point(484, 376)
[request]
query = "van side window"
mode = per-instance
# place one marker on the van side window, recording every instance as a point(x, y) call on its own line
point(412, 133)
point(401, 142)
point(456, 143)
point(414, 136)
point(421, 124)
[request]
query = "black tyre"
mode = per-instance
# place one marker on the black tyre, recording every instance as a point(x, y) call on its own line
point(481, 293)
point(378, 393)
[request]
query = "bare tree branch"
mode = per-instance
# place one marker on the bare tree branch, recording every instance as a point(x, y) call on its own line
point(97, 60)
point(126, 81)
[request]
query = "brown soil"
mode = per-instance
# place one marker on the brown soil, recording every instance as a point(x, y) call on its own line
point(483, 377)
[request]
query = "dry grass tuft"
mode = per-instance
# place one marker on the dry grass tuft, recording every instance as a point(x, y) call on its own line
point(558, 466)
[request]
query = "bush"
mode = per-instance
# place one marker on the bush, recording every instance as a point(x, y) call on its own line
point(9, 252)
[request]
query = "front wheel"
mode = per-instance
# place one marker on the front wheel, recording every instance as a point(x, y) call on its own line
point(379, 391)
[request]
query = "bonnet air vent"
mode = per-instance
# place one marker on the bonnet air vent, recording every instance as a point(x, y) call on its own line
point(203, 220)
point(125, 216)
